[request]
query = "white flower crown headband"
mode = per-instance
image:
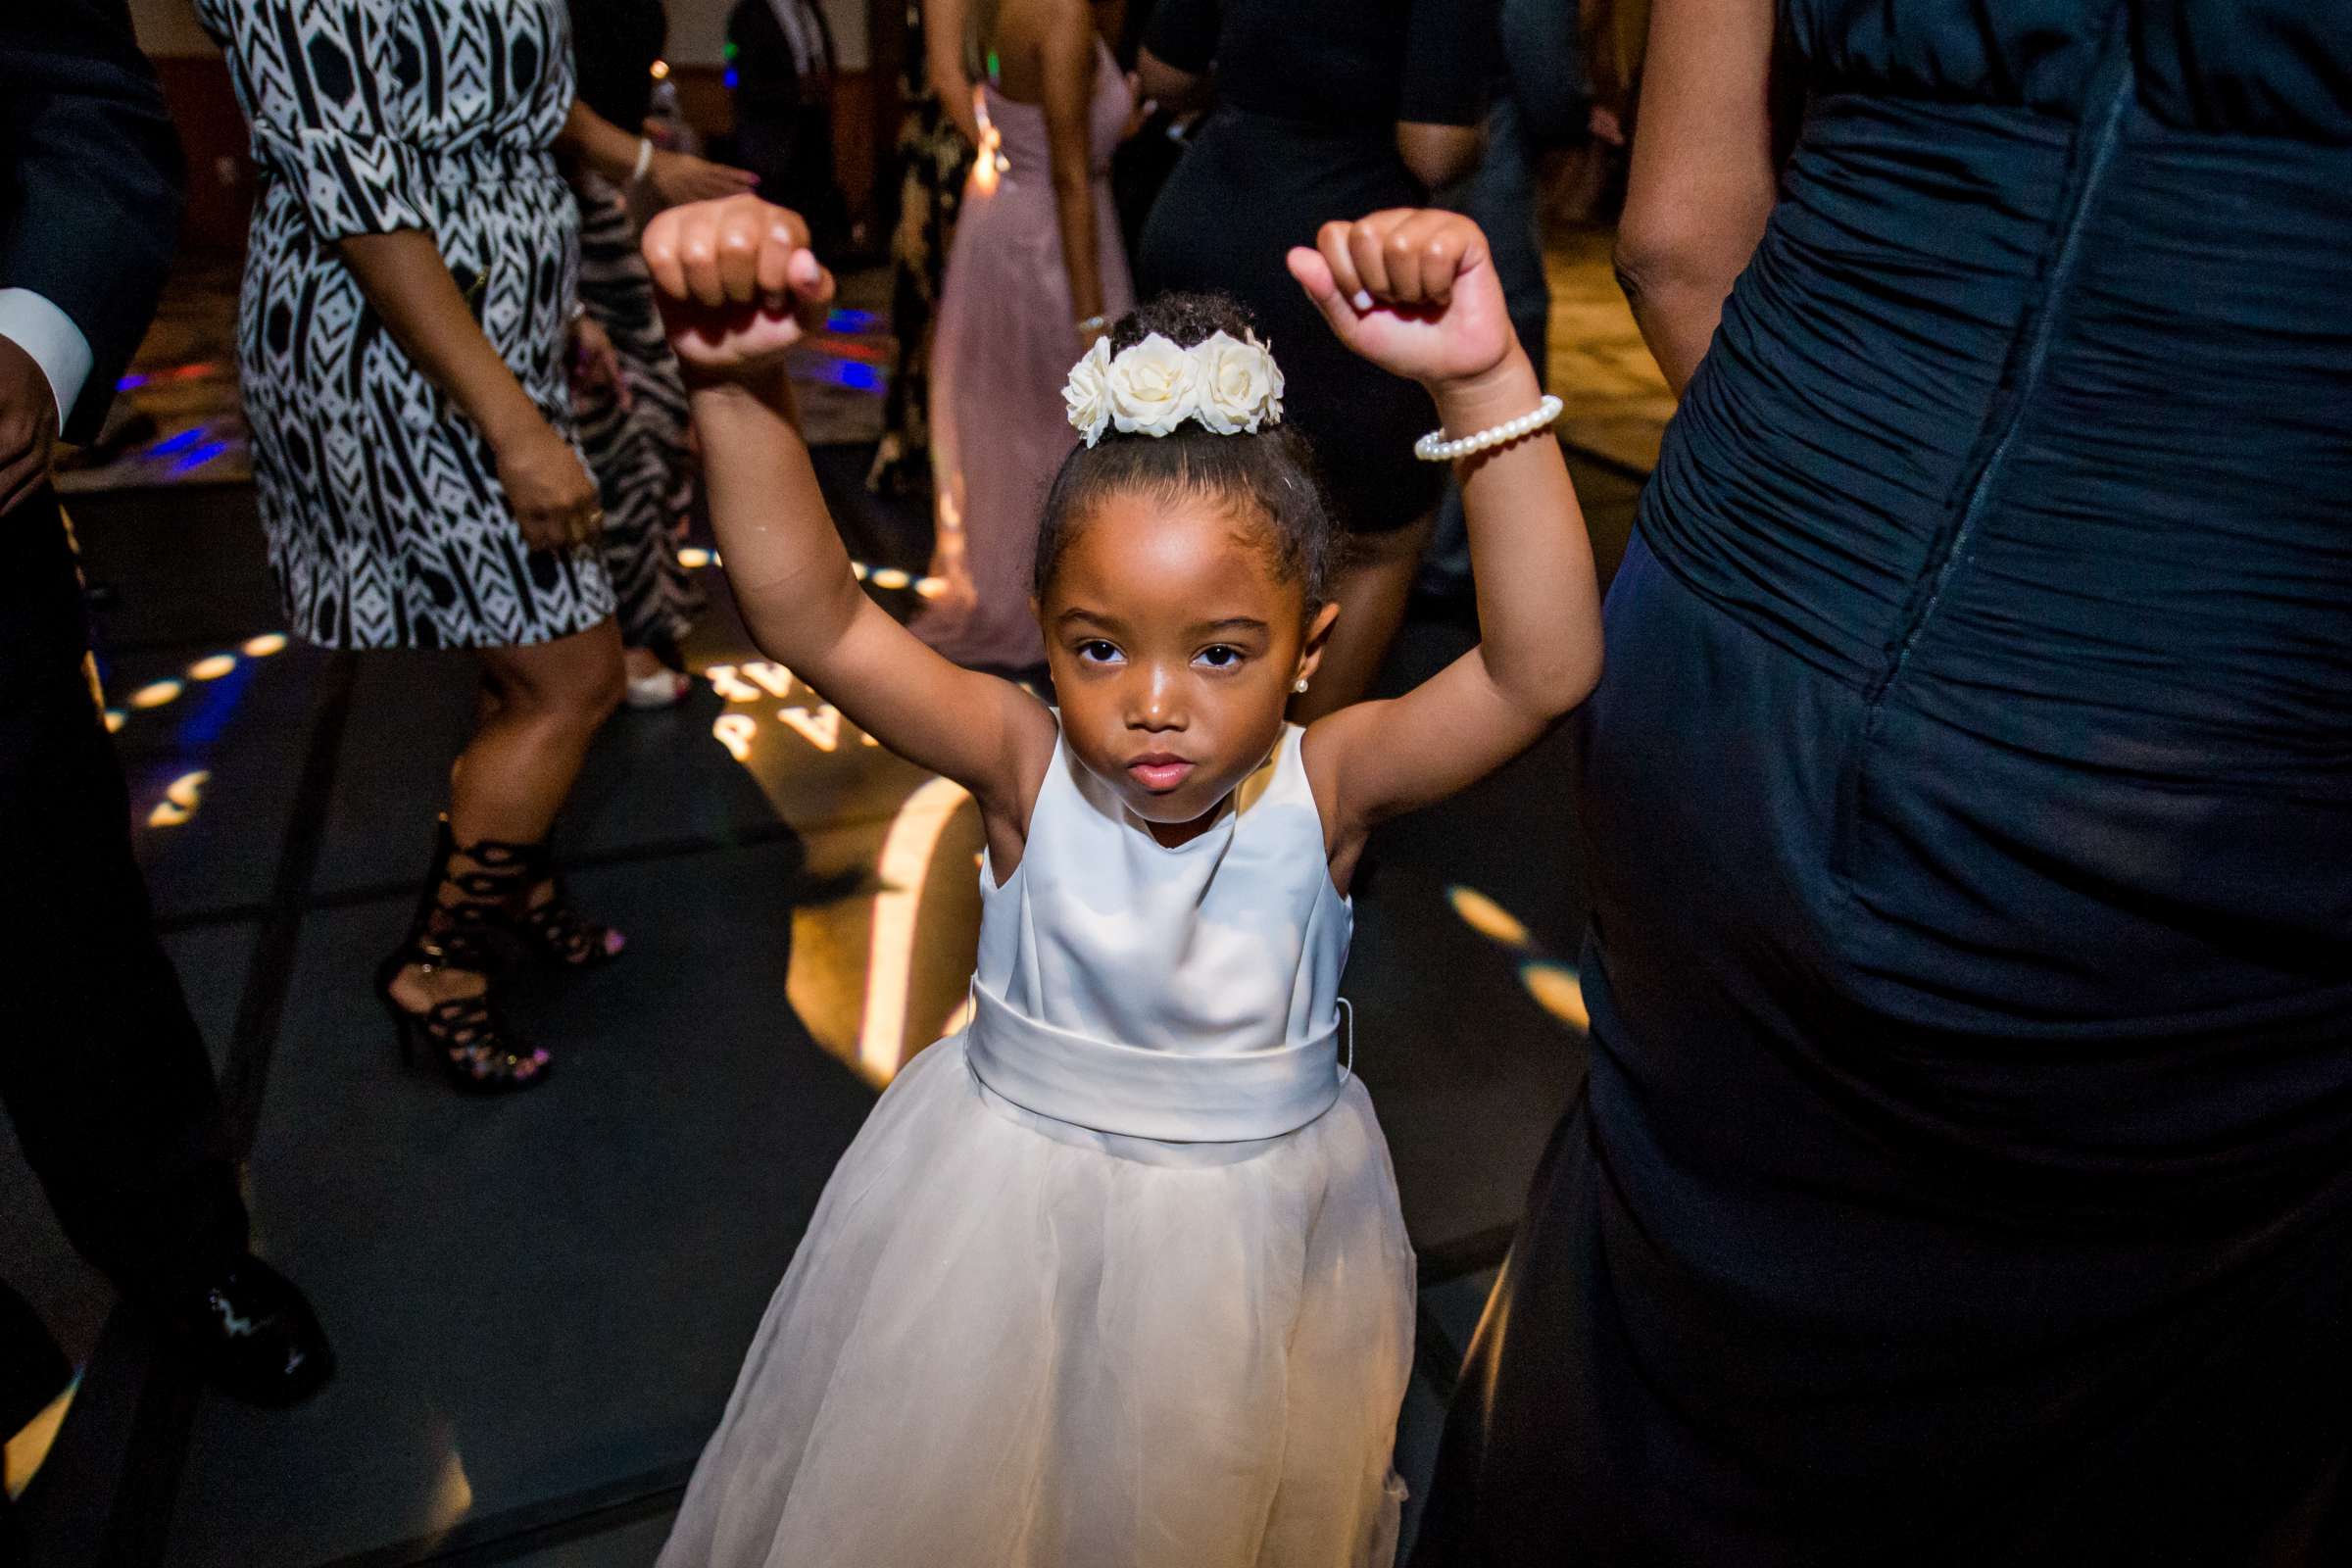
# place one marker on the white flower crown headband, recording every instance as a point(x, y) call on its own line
point(1228, 384)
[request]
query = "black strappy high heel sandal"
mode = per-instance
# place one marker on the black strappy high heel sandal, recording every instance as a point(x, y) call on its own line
point(554, 926)
point(457, 916)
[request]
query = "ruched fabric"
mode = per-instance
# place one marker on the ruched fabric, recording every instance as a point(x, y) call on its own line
point(1965, 1172)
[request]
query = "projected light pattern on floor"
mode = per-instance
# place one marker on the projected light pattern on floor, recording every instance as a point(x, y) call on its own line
point(222, 678)
point(873, 975)
point(1557, 986)
point(895, 579)
point(181, 798)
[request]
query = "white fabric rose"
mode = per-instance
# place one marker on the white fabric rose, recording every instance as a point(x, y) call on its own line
point(1154, 387)
point(1087, 393)
point(1241, 388)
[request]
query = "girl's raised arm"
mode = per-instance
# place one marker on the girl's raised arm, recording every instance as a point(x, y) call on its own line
point(738, 286)
point(1415, 293)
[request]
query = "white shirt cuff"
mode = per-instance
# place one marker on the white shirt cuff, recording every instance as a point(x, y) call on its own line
point(55, 343)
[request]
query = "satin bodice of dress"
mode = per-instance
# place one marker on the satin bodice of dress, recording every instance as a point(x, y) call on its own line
point(2031, 422)
point(1228, 947)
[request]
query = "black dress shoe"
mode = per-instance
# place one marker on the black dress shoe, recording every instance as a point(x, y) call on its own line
point(250, 1332)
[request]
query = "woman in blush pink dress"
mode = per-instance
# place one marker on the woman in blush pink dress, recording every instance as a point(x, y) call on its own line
point(1036, 271)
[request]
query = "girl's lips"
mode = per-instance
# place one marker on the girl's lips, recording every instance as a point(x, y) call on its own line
point(1159, 774)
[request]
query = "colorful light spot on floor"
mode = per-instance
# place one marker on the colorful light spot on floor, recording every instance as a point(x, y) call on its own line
point(833, 371)
point(931, 587)
point(891, 577)
point(268, 643)
point(155, 694)
point(858, 570)
point(1485, 916)
point(116, 719)
point(1558, 990)
point(212, 668)
point(694, 557)
point(181, 798)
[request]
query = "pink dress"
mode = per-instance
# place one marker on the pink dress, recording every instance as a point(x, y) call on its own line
point(1004, 344)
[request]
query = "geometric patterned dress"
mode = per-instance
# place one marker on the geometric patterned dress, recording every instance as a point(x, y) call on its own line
point(636, 449)
point(386, 523)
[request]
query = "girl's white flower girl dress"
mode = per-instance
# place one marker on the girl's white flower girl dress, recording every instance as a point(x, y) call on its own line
point(1115, 1278)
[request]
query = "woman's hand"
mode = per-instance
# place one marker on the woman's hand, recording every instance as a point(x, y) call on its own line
point(555, 499)
point(677, 179)
point(596, 363)
point(737, 284)
point(1413, 291)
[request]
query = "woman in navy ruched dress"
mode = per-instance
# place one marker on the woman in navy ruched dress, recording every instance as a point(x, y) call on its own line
point(1964, 1170)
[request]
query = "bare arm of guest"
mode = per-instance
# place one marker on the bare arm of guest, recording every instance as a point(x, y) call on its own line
point(1438, 154)
point(1181, 91)
point(1175, 66)
point(738, 287)
point(676, 177)
point(405, 278)
point(1435, 315)
point(1068, 61)
point(1702, 179)
point(943, 27)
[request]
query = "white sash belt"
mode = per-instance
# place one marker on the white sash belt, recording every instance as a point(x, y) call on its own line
point(1161, 1094)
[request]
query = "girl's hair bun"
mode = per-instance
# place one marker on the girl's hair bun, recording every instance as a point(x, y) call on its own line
point(1271, 472)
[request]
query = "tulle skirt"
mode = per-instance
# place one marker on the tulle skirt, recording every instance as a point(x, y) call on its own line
point(1010, 1343)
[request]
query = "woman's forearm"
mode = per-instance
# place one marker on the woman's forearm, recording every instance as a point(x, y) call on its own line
point(1070, 82)
point(1181, 91)
point(590, 138)
point(1678, 309)
point(1081, 251)
point(411, 287)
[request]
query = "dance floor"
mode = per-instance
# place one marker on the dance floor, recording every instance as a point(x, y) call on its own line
point(539, 1304)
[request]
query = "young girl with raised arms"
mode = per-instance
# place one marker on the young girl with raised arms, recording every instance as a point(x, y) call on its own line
point(1115, 1277)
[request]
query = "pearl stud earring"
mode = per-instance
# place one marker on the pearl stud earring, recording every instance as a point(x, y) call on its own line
point(1300, 685)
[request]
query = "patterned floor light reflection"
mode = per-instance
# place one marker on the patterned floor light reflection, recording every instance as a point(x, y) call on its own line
point(1556, 986)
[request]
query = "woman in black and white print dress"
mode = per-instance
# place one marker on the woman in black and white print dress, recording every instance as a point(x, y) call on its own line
point(409, 284)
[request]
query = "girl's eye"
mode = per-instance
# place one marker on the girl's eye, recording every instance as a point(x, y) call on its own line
point(1095, 651)
point(1220, 657)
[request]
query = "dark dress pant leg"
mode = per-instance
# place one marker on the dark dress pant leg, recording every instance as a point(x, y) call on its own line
point(102, 1069)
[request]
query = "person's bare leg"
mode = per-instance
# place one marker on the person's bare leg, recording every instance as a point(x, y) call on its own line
point(542, 704)
point(1371, 592)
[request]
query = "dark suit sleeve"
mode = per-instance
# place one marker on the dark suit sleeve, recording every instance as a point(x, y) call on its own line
point(90, 180)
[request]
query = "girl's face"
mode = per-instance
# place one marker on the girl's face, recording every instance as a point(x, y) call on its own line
point(1174, 646)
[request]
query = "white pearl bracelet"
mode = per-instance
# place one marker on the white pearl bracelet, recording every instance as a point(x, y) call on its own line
point(1435, 448)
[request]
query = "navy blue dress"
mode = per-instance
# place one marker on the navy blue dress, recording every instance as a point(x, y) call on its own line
point(1964, 1170)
